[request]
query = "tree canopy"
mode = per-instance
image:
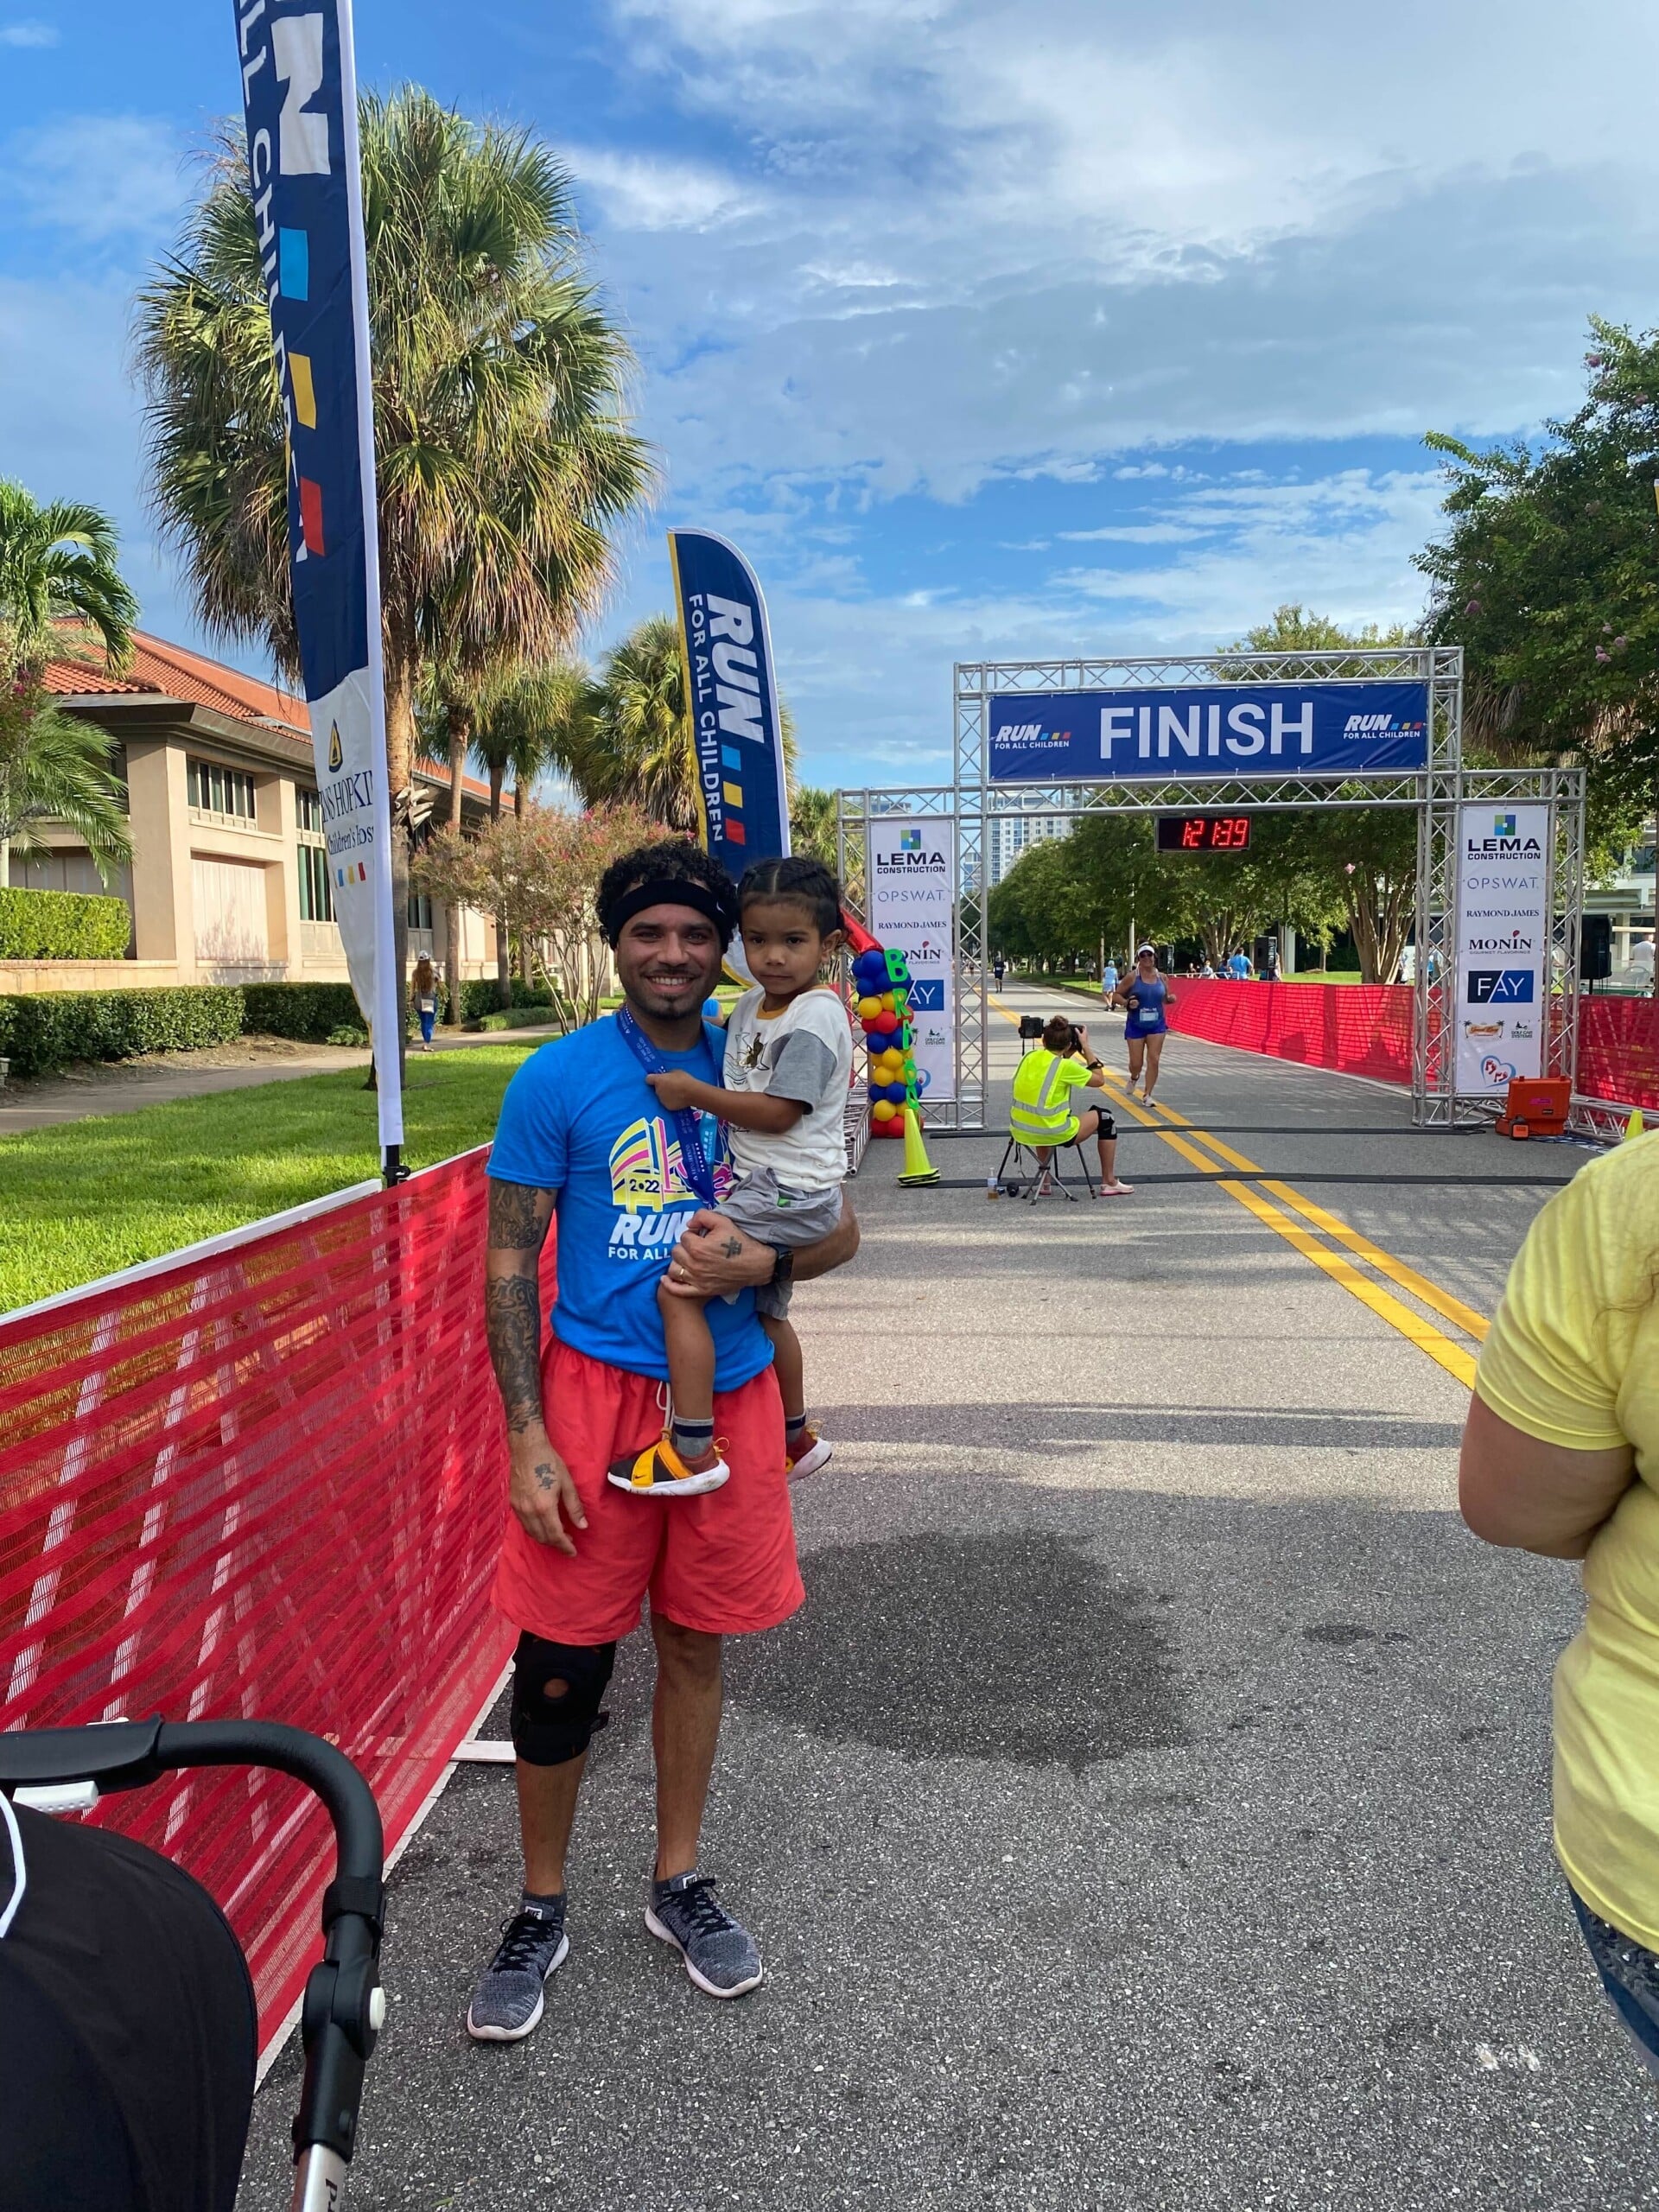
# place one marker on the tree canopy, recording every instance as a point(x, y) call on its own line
point(1548, 575)
point(59, 562)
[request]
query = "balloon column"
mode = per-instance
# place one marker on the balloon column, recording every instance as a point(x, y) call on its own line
point(881, 980)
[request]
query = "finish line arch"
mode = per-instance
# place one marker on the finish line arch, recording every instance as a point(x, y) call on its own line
point(1253, 733)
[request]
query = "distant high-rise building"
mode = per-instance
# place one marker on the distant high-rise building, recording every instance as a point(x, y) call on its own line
point(1011, 833)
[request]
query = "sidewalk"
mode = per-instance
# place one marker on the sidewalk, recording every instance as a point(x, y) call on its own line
point(122, 1086)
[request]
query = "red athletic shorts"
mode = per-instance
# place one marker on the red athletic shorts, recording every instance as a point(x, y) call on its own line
point(723, 1562)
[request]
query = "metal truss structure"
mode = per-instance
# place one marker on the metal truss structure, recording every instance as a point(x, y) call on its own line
point(972, 802)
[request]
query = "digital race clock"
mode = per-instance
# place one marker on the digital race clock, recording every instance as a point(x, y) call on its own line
point(1202, 833)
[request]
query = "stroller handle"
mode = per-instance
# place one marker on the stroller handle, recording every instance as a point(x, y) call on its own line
point(128, 1754)
point(344, 2004)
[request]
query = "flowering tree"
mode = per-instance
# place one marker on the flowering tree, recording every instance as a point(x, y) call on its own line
point(537, 871)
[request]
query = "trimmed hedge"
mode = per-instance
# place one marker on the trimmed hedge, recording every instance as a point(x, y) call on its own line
point(62, 926)
point(481, 994)
point(43, 1032)
point(48, 1030)
point(310, 1011)
point(307, 1011)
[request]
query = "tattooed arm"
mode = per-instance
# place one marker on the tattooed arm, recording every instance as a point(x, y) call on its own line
point(716, 1258)
point(540, 1484)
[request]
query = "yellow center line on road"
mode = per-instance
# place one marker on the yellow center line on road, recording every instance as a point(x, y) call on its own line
point(1438, 1300)
point(1427, 1338)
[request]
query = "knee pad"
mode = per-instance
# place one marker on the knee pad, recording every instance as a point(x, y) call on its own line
point(1108, 1128)
point(557, 1688)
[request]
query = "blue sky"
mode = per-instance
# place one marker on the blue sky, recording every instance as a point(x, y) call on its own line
point(998, 327)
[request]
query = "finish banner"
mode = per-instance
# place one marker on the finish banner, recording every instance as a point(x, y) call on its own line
point(1503, 945)
point(742, 789)
point(913, 896)
point(1230, 730)
point(299, 89)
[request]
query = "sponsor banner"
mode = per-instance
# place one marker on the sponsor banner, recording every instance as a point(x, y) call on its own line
point(1230, 730)
point(1503, 945)
point(743, 791)
point(300, 95)
point(912, 897)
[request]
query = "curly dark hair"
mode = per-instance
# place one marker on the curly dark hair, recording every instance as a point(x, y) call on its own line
point(808, 883)
point(672, 861)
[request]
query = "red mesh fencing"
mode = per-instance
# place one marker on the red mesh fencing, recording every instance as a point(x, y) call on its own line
point(1618, 1050)
point(1357, 1028)
point(265, 1481)
point(1365, 1029)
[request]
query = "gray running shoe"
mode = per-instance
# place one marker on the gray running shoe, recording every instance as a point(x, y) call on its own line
point(719, 1952)
point(507, 2004)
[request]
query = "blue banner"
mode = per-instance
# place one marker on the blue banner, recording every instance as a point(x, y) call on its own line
point(1231, 731)
point(742, 789)
point(299, 91)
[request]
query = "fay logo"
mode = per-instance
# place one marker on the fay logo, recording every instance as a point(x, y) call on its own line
point(1501, 987)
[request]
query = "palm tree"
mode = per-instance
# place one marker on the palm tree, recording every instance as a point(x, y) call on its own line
point(58, 561)
point(530, 719)
point(502, 454)
point(641, 749)
point(55, 767)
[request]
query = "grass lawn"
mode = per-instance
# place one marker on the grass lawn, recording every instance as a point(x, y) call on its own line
point(84, 1199)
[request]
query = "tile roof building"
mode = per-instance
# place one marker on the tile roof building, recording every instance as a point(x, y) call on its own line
point(229, 880)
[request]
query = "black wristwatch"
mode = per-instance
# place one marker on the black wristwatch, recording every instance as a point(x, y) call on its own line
point(783, 1268)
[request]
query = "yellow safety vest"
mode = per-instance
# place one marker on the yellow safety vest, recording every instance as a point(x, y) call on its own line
point(1043, 1083)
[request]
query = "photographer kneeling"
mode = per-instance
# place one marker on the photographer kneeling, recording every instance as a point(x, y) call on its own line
point(1041, 1116)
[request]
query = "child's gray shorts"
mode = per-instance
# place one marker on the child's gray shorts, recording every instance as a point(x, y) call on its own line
point(764, 1208)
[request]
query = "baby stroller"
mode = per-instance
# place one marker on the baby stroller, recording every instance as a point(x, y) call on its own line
point(127, 2027)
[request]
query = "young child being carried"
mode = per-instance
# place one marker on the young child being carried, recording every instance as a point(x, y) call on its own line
point(788, 1064)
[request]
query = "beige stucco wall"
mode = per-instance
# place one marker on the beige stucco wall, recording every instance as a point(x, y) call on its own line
point(168, 837)
point(161, 856)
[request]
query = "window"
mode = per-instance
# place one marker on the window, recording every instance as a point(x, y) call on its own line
point(316, 903)
point(420, 912)
point(216, 790)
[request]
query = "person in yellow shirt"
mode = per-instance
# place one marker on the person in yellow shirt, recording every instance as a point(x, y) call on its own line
point(1041, 1115)
point(1560, 1457)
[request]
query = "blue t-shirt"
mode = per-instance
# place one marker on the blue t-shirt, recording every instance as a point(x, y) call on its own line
point(580, 1119)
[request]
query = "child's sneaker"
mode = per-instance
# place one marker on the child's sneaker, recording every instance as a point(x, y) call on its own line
point(659, 1472)
point(812, 1453)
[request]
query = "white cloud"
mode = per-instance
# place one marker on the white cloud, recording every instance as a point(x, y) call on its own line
point(100, 179)
point(1023, 237)
point(642, 192)
point(29, 32)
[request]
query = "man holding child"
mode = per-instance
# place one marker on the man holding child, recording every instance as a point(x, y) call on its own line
point(620, 1129)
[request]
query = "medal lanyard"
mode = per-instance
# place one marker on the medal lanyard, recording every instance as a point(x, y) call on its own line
point(687, 1125)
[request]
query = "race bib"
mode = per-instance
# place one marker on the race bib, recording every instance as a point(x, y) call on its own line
point(1147, 1014)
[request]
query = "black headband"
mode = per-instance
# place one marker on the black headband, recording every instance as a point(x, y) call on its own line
point(718, 907)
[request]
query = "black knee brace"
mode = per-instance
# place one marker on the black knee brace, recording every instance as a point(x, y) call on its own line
point(1108, 1126)
point(557, 1688)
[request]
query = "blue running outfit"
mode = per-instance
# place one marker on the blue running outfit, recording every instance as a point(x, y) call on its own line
point(1146, 1014)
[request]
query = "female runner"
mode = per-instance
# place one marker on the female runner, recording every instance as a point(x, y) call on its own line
point(1145, 998)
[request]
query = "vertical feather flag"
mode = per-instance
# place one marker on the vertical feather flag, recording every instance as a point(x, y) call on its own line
point(299, 90)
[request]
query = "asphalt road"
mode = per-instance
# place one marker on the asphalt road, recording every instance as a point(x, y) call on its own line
point(1149, 1808)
